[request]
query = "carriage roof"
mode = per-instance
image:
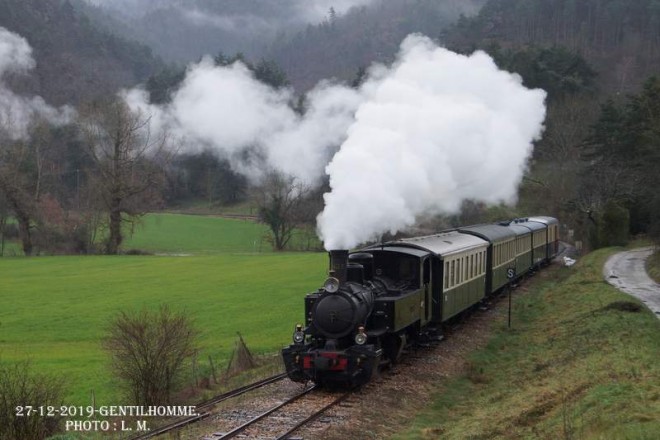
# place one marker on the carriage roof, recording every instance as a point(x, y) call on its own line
point(445, 243)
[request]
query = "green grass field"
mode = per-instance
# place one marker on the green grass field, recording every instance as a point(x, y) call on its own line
point(166, 233)
point(53, 310)
point(180, 233)
point(576, 365)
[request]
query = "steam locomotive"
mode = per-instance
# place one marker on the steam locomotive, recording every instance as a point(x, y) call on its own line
point(379, 299)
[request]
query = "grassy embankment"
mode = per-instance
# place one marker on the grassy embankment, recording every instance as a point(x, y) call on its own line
point(653, 266)
point(53, 310)
point(575, 365)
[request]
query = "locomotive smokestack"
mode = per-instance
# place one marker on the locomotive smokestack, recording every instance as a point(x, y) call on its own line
point(339, 265)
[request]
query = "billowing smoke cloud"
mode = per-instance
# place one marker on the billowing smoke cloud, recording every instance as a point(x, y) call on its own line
point(436, 128)
point(17, 112)
point(228, 109)
point(419, 137)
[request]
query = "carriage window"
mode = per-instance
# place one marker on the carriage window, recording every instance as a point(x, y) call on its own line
point(447, 274)
point(460, 270)
point(453, 272)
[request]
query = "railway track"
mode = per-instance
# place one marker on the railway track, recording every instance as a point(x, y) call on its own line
point(285, 419)
point(286, 425)
point(266, 422)
point(203, 408)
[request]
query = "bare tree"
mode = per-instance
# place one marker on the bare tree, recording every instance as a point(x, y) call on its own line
point(128, 163)
point(149, 351)
point(16, 187)
point(30, 175)
point(282, 202)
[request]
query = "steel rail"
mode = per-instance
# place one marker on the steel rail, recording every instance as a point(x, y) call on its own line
point(234, 432)
point(241, 390)
point(314, 416)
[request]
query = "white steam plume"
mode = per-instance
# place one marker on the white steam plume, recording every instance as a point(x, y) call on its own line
point(436, 128)
point(17, 112)
point(226, 108)
point(417, 138)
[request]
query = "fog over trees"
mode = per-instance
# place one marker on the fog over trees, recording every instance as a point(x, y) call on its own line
point(185, 30)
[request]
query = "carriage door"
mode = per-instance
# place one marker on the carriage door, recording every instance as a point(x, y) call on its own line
point(426, 285)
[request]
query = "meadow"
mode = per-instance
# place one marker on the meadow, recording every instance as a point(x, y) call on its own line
point(580, 362)
point(198, 234)
point(54, 311)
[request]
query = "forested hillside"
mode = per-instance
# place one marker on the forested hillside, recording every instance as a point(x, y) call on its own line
point(75, 60)
point(620, 38)
point(311, 40)
point(341, 45)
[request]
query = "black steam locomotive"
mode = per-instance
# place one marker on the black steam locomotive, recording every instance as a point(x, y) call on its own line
point(383, 297)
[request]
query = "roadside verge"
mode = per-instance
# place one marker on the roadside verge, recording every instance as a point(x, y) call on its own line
point(581, 361)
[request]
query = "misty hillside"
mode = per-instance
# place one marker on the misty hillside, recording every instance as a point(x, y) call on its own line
point(75, 60)
point(183, 31)
point(309, 39)
point(340, 45)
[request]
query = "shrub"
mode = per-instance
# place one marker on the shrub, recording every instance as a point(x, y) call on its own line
point(149, 351)
point(19, 387)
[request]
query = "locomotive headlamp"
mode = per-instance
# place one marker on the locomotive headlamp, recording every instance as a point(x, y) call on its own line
point(361, 336)
point(331, 285)
point(298, 335)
